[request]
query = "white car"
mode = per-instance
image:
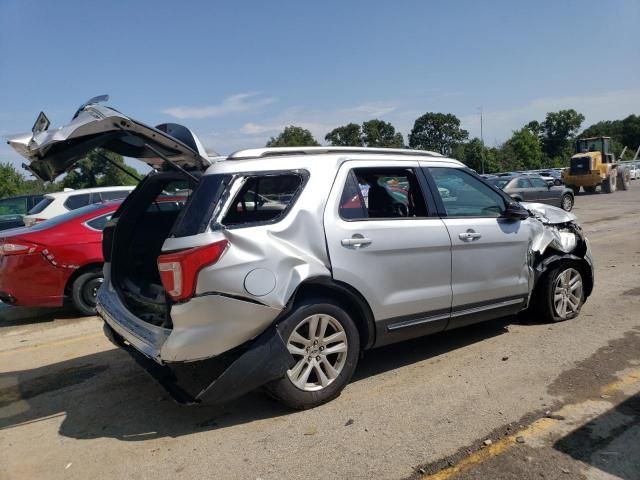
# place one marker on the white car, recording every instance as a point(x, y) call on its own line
point(54, 204)
point(634, 172)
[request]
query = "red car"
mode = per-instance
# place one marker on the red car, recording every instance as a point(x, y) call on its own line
point(60, 258)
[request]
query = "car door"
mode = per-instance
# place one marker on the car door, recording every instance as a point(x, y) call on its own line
point(489, 254)
point(545, 193)
point(523, 188)
point(391, 246)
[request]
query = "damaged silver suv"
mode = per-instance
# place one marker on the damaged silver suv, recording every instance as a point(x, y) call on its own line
point(286, 263)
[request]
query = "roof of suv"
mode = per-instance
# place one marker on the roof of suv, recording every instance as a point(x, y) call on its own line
point(282, 158)
point(87, 190)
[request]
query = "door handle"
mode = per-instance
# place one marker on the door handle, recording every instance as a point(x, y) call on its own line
point(469, 236)
point(356, 241)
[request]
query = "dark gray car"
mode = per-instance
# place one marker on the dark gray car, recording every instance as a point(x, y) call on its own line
point(532, 188)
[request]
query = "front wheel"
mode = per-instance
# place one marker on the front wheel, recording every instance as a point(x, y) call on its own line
point(623, 179)
point(560, 294)
point(567, 202)
point(84, 292)
point(325, 345)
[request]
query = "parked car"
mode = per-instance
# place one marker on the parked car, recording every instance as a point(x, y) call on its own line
point(13, 209)
point(55, 260)
point(54, 204)
point(222, 297)
point(532, 188)
point(634, 171)
point(551, 176)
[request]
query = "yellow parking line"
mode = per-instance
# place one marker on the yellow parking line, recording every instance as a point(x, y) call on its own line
point(535, 429)
point(66, 341)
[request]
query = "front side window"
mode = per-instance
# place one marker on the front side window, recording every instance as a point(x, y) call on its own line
point(463, 195)
point(77, 201)
point(263, 199)
point(382, 193)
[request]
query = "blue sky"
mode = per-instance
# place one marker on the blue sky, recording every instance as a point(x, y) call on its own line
point(238, 72)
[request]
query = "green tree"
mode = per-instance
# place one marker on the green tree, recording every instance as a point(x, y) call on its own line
point(558, 132)
point(623, 133)
point(93, 171)
point(293, 136)
point(525, 149)
point(12, 182)
point(377, 133)
point(437, 131)
point(349, 135)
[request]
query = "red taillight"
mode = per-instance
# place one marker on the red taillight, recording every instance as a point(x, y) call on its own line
point(18, 247)
point(178, 271)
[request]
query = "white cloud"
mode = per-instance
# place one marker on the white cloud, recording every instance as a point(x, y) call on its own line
point(239, 103)
point(498, 125)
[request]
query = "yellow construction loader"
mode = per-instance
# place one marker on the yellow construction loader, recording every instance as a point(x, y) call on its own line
point(594, 164)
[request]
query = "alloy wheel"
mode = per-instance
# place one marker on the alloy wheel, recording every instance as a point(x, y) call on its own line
point(567, 295)
point(319, 346)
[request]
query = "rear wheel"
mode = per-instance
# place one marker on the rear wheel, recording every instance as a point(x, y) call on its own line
point(560, 295)
point(623, 179)
point(609, 185)
point(84, 292)
point(567, 202)
point(325, 344)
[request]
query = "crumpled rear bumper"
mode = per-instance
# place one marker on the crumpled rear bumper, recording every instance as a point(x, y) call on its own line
point(218, 379)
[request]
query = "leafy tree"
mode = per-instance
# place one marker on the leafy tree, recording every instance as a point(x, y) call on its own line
point(293, 136)
point(558, 132)
point(630, 132)
point(12, 182)
point(437, 131)
point(525, 148)
point(622, 132)
point(349, 135)
point(93, 171)
point(377, 133)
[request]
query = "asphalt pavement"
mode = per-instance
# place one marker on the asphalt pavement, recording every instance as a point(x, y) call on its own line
point(506, 399)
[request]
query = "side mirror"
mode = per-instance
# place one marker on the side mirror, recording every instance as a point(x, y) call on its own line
point(515, 211)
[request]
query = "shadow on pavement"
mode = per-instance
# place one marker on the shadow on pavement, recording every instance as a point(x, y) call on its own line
point(15, 316)
point(610, 442)
point(106, 394)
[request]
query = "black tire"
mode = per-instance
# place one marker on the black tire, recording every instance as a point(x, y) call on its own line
point(566, 202)
point(544, 305)
point(284, 390)
point(590, 189)
point(623, 179)
point(609, 185)
point(83, 292)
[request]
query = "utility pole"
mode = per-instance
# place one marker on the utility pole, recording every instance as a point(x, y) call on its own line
point(481, 141)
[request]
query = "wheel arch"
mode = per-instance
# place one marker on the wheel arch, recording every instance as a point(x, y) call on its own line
point(556, 259)
point(89, 267)
point(352, 300)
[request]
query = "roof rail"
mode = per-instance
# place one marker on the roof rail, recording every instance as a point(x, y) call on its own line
point(279, 151)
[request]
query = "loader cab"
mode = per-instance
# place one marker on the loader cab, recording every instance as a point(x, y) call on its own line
point(594, 145)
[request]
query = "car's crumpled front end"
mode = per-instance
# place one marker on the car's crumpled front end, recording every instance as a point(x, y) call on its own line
point(555, 236)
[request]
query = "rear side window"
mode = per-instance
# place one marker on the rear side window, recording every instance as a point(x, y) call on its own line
point(382, 193)
point(77, 201)
point(41, 205)
point(114, 195)
point(263, 199)
point(13, 206)
point(98, 223)
point(523, 183)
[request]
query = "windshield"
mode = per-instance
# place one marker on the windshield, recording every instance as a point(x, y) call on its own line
point(499, 182)
point(65, 217)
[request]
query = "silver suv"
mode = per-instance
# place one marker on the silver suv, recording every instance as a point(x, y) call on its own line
point(287, 263)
